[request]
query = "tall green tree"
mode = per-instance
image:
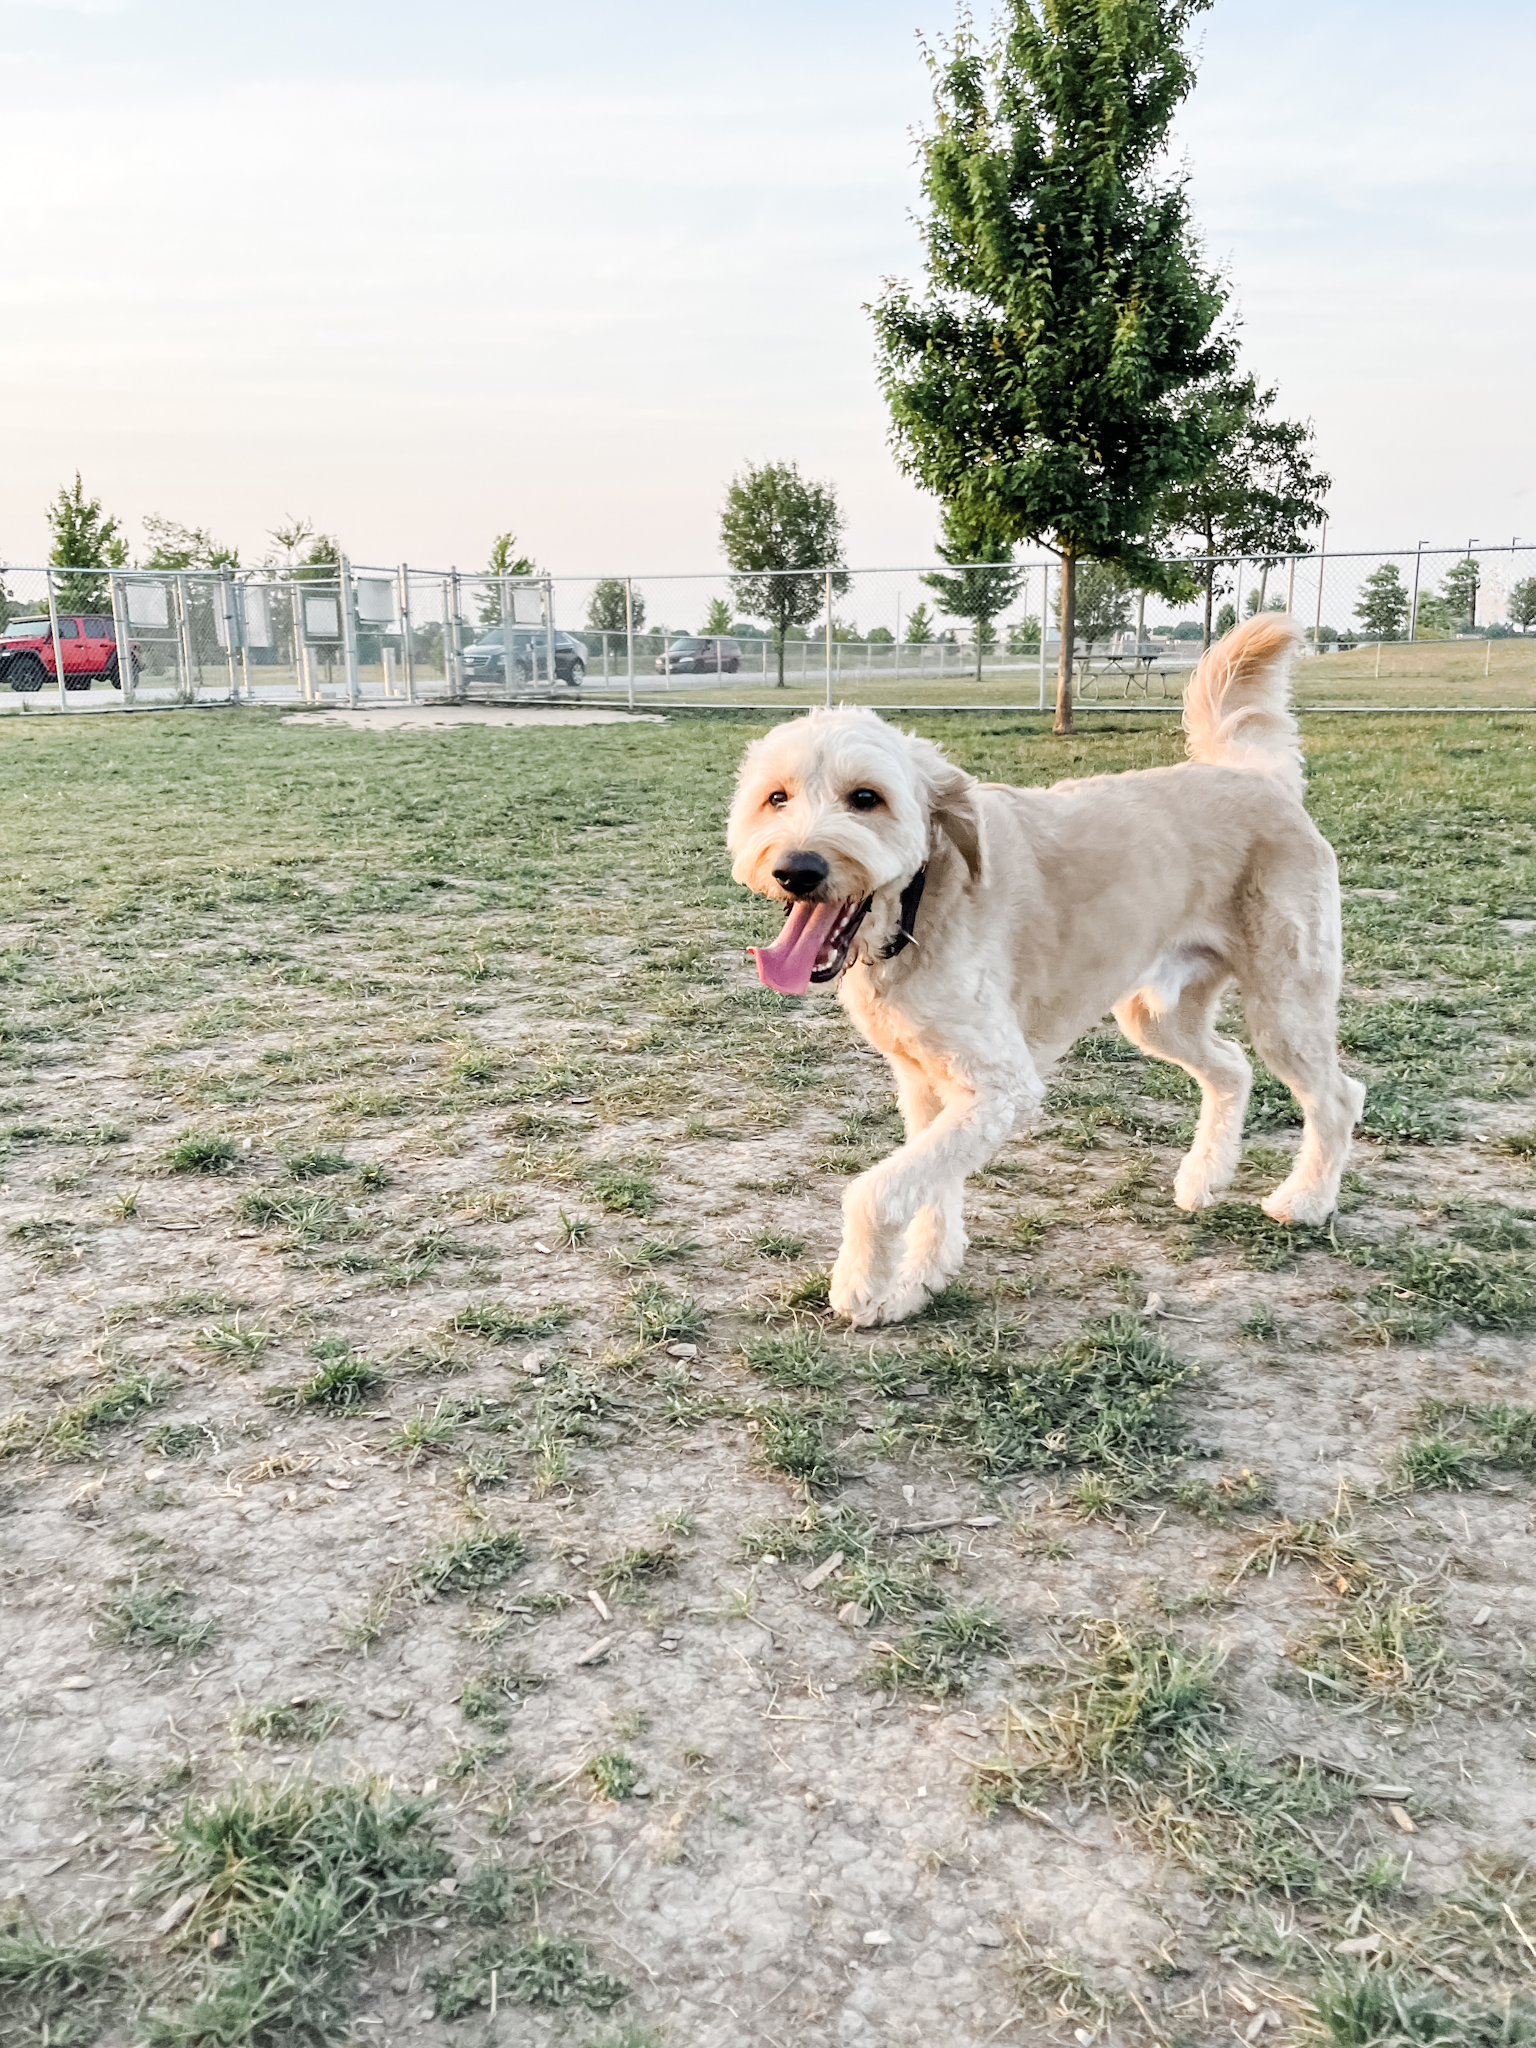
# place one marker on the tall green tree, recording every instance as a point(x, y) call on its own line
point(1048, 383)
point(84, 536)
point(918, 630)
point(605, 613)
point(174, 546)
point(1260, 494)
point(1459, 588)
point(775, 525)
point(975, 593)
point(1384, 601)
point(718, 618)
point(1522, 604)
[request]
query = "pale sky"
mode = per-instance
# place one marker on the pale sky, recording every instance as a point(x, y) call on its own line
point(423, 274)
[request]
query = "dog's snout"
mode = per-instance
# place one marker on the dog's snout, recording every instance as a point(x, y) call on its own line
point(801, 874)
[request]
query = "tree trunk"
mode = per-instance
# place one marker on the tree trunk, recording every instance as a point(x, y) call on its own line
point(980, 626)
point(783, 629)
point(1063, 723)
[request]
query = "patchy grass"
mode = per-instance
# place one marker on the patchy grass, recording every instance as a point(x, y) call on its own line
point(154, 1617)
point(52, 1993)
point(287, 1721)
point(655, 1313)
point(544, 1972)
point(339, 1383)
point(500, 1324)
point(294, 1887)
point(1379, 1651)
point(472, 1564)
point(199, 1152)
point(1106, 1399)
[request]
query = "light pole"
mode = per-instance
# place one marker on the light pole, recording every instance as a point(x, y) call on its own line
point(1413, 609)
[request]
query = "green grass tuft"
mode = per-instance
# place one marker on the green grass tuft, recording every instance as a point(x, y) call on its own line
point(295, 1886)
point(471, 1564)
point(316, 1165)
point(623, 1194)
point(197, 1152)
point(500, 1324)
point(544, 1971)
point(656, 1314)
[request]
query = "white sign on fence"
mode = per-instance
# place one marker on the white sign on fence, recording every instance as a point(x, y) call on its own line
point(375, 601)
point(258, 618)
point(322, 621)
point(146, 605)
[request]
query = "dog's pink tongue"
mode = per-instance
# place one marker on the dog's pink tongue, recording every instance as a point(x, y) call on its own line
point(787, 964)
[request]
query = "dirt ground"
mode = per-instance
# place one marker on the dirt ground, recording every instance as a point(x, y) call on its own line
point(416, 1379)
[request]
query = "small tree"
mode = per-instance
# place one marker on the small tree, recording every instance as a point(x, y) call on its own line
point(1103, 602)
point(919, 627)
point(322, 560)
point(776, 525)
point(717, 619)
point(174, 546)
point(1383, 607)
point(1226, 619)
point(605, 614)
point(1459, 590)
point(1522, 604)
point(974, 593)
point(1024, 636)
point(504, 561)
point(1047, 385)
point(84, 537)
point(1260, 494)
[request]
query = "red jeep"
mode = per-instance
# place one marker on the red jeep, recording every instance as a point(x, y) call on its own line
point(87, 641)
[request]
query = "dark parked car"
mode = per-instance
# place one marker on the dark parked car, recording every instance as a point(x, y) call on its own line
point(485, 661)
point(87, 641)
point(694, 654)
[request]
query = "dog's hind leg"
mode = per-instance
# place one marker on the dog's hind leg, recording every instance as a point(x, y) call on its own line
point(1295, 1033)
point(1181, 1032)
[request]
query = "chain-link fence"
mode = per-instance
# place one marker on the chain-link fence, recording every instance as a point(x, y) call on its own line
point(1421, 627)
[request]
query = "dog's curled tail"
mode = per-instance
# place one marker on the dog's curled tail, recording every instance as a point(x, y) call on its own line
point(1237, 709)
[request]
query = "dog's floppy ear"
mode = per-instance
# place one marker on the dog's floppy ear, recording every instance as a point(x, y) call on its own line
point(952, 810)
point(951, 797)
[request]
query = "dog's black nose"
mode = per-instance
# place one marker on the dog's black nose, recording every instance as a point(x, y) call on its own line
point(802, 874)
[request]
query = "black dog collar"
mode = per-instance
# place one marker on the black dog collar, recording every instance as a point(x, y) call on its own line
point(911, 896)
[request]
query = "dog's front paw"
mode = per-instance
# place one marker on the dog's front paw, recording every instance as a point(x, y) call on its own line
point(854, 1292)
point(1295, 1202)
point(1198, 1183)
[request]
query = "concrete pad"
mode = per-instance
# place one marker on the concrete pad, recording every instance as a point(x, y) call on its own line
point(433, 717)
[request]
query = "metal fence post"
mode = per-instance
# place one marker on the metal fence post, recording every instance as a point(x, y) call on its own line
point(548, 594)
point(184, 636)
point(629, 638)
point(453, 668)
point(1322, 557)
point(232, 631)
point(125, 671)
point(829, 638)
point(1290, 584)
point(405, 634)
point(348, 632)
point(1413, 608)
point(58, 649)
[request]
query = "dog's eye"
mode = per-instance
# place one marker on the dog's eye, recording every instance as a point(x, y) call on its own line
point(778, 800)
point(864, 800)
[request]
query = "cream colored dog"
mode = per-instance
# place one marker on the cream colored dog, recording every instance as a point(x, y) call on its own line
point(975, 930)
